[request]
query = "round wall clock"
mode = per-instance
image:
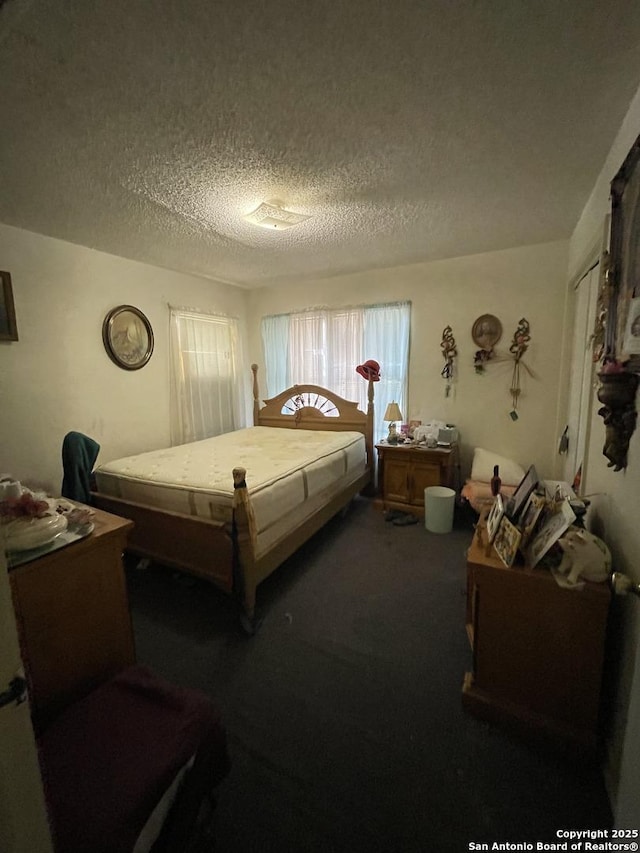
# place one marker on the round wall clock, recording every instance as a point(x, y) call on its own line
point(127, 337)
point(486, 331)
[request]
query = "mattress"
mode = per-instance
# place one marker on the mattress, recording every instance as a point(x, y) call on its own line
point(290, 474)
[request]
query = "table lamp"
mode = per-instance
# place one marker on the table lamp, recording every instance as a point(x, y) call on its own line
point(392, 414)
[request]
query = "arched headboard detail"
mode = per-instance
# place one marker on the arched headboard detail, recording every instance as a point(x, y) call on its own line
point(313, 407)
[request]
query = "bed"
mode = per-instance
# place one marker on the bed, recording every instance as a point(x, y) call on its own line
point(231, 509)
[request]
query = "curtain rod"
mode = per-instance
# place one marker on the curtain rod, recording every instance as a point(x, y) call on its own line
point(182, 309)
point(340, 308)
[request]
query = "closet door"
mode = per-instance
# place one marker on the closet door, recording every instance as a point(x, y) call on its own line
point(581, 382)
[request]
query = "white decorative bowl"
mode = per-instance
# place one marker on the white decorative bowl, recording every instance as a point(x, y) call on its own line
point(22, 534)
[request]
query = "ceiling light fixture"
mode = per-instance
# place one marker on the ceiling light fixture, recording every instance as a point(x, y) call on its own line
point(269, 215)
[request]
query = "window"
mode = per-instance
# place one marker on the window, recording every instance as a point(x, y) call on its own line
point(323, 347)
point(204, 355)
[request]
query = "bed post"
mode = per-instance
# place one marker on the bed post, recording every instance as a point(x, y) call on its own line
point(244, 535)
point(370, 489)
point(370, 437)
point(256, 395)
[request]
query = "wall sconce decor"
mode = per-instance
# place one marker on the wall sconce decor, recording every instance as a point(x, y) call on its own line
point(450, 352)
point(617, 393)
point(619, 319)
point(519, 345)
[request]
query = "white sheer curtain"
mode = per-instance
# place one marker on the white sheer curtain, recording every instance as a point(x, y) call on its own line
point(205, 399)
point(324, 346)
point(275, 335)
point(387, 332)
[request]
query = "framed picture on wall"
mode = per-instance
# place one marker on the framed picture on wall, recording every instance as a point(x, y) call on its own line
point(128, 337)
point(8, 325)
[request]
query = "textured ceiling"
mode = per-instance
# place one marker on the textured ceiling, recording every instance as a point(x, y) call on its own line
point(409, 130)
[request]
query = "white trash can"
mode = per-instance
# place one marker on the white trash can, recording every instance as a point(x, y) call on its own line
point(438, 509)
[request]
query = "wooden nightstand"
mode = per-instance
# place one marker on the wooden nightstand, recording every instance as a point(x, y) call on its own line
point(405, 471)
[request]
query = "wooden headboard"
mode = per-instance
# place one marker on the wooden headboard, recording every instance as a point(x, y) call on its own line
point(314, 407)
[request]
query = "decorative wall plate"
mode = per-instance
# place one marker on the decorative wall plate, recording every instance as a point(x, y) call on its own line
point(127, 337)
point(486, 331)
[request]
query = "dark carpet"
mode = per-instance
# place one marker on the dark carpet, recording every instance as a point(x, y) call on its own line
point(343, 712)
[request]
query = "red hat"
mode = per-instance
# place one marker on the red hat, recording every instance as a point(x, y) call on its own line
point(369, 370)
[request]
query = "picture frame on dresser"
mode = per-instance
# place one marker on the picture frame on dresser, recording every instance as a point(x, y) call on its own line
point(519, 498)
point(8, 325)
point(494, 517)
point(530, 516)
point(507, 541)
point(553, 526)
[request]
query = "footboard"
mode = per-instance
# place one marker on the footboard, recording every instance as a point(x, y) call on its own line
point(201, 547)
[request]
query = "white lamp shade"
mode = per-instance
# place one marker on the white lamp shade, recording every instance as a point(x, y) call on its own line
point(393, 412)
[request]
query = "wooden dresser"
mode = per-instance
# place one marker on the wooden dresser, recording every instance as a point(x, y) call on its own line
point(405, 471)
point(538, 649)
point(73, 617)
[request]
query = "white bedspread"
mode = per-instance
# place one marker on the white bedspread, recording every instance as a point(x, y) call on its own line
point(290, 473)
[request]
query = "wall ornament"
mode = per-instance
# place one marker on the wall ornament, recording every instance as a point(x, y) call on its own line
point(486, 332)
point(519, 345)
point(128, 337)
point(450, 353)
point(617, 331)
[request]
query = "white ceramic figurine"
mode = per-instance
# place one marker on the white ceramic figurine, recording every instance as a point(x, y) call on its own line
point(585, 557)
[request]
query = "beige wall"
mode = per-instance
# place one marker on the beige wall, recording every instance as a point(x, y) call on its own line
point(614, 514)
point(523, 282)
point(58, 377)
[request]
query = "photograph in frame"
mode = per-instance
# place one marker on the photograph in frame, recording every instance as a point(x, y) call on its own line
point(519, 498)
point(507, 542)
point(552, 529)
point(494, 517)
point(530, 516)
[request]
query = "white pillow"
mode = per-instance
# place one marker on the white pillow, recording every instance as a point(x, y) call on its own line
point(482, 468)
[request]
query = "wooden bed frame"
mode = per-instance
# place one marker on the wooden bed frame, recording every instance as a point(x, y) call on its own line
point(225, 553)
